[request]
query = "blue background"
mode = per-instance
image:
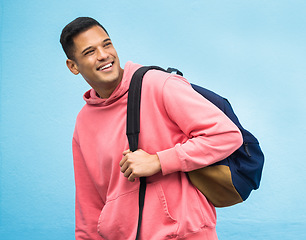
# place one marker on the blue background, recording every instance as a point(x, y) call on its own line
point(252, 52)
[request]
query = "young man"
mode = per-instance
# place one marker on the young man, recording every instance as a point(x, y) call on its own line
point(180, 131)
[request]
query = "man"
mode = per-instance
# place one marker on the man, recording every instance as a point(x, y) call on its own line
point(180, 131)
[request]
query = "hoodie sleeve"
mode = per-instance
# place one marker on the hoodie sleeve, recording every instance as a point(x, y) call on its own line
point(211, 134)
point(88, 203)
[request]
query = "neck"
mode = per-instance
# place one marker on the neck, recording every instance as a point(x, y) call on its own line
point(107, 90)
point(105, 93)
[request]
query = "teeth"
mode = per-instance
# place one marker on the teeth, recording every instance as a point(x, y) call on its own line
point(106, 66)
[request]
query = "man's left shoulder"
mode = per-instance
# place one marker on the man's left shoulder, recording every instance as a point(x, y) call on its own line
point(157, 78)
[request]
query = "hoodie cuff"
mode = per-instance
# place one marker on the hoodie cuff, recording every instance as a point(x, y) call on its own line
point(169, 161)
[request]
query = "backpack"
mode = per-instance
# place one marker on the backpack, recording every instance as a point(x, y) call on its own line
point(224, 183)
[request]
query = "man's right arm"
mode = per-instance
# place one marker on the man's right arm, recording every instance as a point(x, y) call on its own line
point(88, 203)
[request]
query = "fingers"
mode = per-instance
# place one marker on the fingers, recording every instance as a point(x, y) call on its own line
point(126, 168)
point(123, 160)
point(131, 178)
point(139, 164)
point(128, 172)
point(126, 152)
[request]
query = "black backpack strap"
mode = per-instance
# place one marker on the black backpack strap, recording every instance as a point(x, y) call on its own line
point(133, 127)
point(133, 106)
point(174, 70)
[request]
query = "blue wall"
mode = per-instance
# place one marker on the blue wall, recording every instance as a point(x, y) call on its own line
point(252, 52)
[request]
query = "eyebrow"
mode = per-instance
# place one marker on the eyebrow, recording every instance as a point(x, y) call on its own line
point(105, 40)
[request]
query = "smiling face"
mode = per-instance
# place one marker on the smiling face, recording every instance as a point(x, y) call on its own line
point(96, 59)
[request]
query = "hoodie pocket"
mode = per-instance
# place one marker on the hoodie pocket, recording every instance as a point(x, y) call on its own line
point(158, 219)
point(118, 219)
point(164, 204)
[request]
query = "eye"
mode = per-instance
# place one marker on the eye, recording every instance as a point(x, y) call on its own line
point(107, 44)
point(88, 52)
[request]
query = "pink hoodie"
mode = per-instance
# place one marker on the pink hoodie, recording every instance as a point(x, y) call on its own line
point(185, 130)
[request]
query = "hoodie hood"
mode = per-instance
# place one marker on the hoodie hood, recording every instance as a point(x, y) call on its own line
point(91, 97)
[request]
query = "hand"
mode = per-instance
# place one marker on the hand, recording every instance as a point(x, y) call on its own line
point(139, 164)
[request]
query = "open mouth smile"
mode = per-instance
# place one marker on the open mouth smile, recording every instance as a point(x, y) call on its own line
point(104, 67)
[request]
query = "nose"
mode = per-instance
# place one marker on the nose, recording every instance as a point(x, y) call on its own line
point(102, 54)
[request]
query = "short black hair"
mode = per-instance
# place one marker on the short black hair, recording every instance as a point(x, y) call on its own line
point(72, 29)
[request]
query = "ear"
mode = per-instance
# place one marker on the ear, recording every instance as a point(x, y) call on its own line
point(73, 67)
